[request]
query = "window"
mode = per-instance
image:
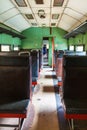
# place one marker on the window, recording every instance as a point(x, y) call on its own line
point(79, 48)
point(71, 48)
point(16, 48)
point(5, 48)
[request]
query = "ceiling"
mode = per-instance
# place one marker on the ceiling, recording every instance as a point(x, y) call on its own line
point(22, 14)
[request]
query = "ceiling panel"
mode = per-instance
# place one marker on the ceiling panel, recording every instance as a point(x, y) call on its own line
point(79, 5)
point(5, 5)
point(18, 22)
point(54, 21)
point(46, 3)
point(67, 20)
point(71, 13)
point(9, 14)
point(64, 25)
point(25, 10)
point(57, 10)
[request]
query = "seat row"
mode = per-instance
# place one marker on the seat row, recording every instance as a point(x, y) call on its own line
point(74, 87)
point(18, 71)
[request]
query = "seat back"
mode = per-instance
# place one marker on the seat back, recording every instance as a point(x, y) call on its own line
point(14, 76)
point(75, 77)
point(35, 63)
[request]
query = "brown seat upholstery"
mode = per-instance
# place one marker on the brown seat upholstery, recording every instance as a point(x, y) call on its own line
point(14, 85)
point(75, 86)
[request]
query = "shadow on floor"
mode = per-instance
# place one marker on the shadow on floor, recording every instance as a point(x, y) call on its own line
point(50, 89)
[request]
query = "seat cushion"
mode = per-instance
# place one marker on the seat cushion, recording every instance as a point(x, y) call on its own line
point(12, 106)
point(74, 106)
point(34, 79)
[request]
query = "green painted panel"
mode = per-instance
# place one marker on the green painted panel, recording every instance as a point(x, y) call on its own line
point(35, 37)
point(6, 39)
point(0, 39)
point(85, 40)
point(60, 42)
point(9, 40)
point(71, 41)
point(16, 41)
point(79, 39)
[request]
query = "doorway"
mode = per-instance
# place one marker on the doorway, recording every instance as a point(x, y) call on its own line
point(45, 51)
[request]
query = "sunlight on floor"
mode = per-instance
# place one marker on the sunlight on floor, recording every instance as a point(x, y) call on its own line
point(45, 104)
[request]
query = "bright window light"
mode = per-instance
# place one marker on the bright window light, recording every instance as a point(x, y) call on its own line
point(5, 48)
point(79, 48)
point(16, 48)
point(71, 48)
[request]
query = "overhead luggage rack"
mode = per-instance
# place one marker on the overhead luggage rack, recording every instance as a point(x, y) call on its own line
point(80, 29)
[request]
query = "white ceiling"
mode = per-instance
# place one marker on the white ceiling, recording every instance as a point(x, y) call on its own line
point(71, 14)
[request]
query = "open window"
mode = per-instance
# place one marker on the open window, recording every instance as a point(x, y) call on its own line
point(71, 48)
point(80, 47)
point(16, 48)
point(5, 48)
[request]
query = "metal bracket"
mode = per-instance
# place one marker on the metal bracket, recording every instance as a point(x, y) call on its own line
point(71, 124)
point(17, 126)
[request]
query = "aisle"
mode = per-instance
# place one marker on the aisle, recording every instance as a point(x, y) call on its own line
point(44, 102)
point(45, 111)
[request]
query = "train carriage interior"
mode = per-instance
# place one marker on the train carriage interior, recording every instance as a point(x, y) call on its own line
point(43, 64)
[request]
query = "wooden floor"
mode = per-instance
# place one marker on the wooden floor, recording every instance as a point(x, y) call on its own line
point(45, 104)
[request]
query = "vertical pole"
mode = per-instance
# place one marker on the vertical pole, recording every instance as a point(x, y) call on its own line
point(53, 65)
point(50, 52)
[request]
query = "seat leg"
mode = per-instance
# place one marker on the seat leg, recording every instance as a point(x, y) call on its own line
point(20, 121)
point(71, 124)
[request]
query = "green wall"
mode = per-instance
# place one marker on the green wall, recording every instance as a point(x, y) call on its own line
point(71, 41)
point(34, 37)
point(60, 42)
point(79, 39)
point(85, 40)
point(16, 41)
point(7, 39)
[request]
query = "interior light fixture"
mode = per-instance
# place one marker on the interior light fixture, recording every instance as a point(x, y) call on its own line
point(29, 16)
point(55, 16)
point(58, 2)
point(53, 24)
point(43, 25)
point(41, 13)
point(34, 24)
point(39, 1)
point(21, 3)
